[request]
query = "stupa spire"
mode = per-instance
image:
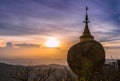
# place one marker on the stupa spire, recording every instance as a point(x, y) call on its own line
point(86, 34)
point(86, 21)
point(86, 17)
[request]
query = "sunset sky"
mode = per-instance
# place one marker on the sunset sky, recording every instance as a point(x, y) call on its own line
point(26, 26)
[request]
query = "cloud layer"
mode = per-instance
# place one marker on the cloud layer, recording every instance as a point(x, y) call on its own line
point(25, 45)
point(55, 17)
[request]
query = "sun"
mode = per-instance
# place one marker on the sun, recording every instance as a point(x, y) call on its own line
point(52, 42)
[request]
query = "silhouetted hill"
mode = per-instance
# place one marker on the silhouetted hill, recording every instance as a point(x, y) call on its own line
point(56, 72)
point(6, 70)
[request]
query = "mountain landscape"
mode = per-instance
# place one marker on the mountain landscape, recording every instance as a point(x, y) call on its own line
point(54, 72)
point(10, 72)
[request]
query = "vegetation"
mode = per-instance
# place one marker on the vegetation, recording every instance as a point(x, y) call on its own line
point(42, 74)
point(108, 72)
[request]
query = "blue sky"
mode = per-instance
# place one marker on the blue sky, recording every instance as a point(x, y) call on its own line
point(32, 21)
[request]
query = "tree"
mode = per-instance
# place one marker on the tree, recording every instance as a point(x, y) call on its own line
point(22, 73)
point(28, 73)
point(43, 74)
point(64, 75)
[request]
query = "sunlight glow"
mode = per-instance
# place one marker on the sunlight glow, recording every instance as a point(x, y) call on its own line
point(52, 42)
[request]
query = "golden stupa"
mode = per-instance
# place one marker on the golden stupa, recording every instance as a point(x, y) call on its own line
point(87, 54)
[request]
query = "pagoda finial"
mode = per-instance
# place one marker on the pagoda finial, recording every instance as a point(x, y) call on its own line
point(86, 8)
point(86, 17)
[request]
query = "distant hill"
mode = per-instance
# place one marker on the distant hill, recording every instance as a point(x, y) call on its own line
point(6, 70)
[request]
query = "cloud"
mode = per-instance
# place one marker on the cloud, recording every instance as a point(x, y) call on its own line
point(9, 45)
point(20, 18)
point(38, 17)
point(25, 45)
point(112, 47)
